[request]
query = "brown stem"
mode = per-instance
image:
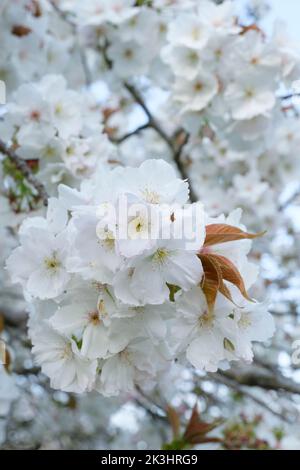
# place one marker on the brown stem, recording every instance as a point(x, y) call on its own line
point(152, 121)
point(154, 124)
point(132, 133)
point(243, 391)
point(252, 376)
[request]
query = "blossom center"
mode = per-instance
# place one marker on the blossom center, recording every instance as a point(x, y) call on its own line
point(193, 57)
point(245, 321)
point(128, 54)
point(198, 87)
point(52, 263)
point(151, 196)
point(206, 320)
point(94, 318)
point(160, 255)
point(218, 53)
point(67, 352)
point(249, 93)
point(106, 238)
point(58, 109)
point(137, 227)
point(196, 33)
point(49, 152)
point(35, 115)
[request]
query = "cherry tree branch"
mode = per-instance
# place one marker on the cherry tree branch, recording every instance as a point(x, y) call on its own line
point(252, 376)
point(290, 201)
point(132, 133)
point(233, 384)
point(152, 121)
point(154, 124)
point(21, 165)
point(182, 167)
point(290, 96)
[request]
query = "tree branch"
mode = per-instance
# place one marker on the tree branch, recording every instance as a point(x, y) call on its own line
point(290, 96)
point(21, 165)
point(152, 122)
point(260, 377)
point(181, 166)
point(289, 201)
point(131, 134)
point(232, 383)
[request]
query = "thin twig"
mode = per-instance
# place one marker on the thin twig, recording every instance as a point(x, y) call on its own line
point(131, 134)
point(232, 384)
point(150, 410)
point(159, 408)
point(289, 201)
point(258, 377)
point(290, 96)
point(152, 122)
point(182, 167)
point(21, 165)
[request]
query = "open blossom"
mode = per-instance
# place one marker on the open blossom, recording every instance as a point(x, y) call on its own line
point(194, 32)
point(201, 333)
point(128, 59)
point(184, 61)
point(168, 263)
point(219, 17)
point(39, 263)
point(137, 364)
point(89, 319)
point(195, 95)
point(125, 304)
point(226, 334)
point(249, 96)
point(62, 361)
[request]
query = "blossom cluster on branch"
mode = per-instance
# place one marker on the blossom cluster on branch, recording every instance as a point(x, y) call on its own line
point(110, 310)
point(58, 131)
point(101, 94)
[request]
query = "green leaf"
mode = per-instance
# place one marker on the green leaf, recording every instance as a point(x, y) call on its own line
point(173, 290)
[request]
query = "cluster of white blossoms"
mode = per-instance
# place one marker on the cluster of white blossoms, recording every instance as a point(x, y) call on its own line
point(123, 277)
point(56, 129)
point(251, 160)
point(127, 284)
point(226, 91)
point(223, 83)
point(35, 42)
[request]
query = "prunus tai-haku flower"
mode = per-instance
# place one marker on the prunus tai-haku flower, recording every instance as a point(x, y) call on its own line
point(117, 112)
point(122, 307)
